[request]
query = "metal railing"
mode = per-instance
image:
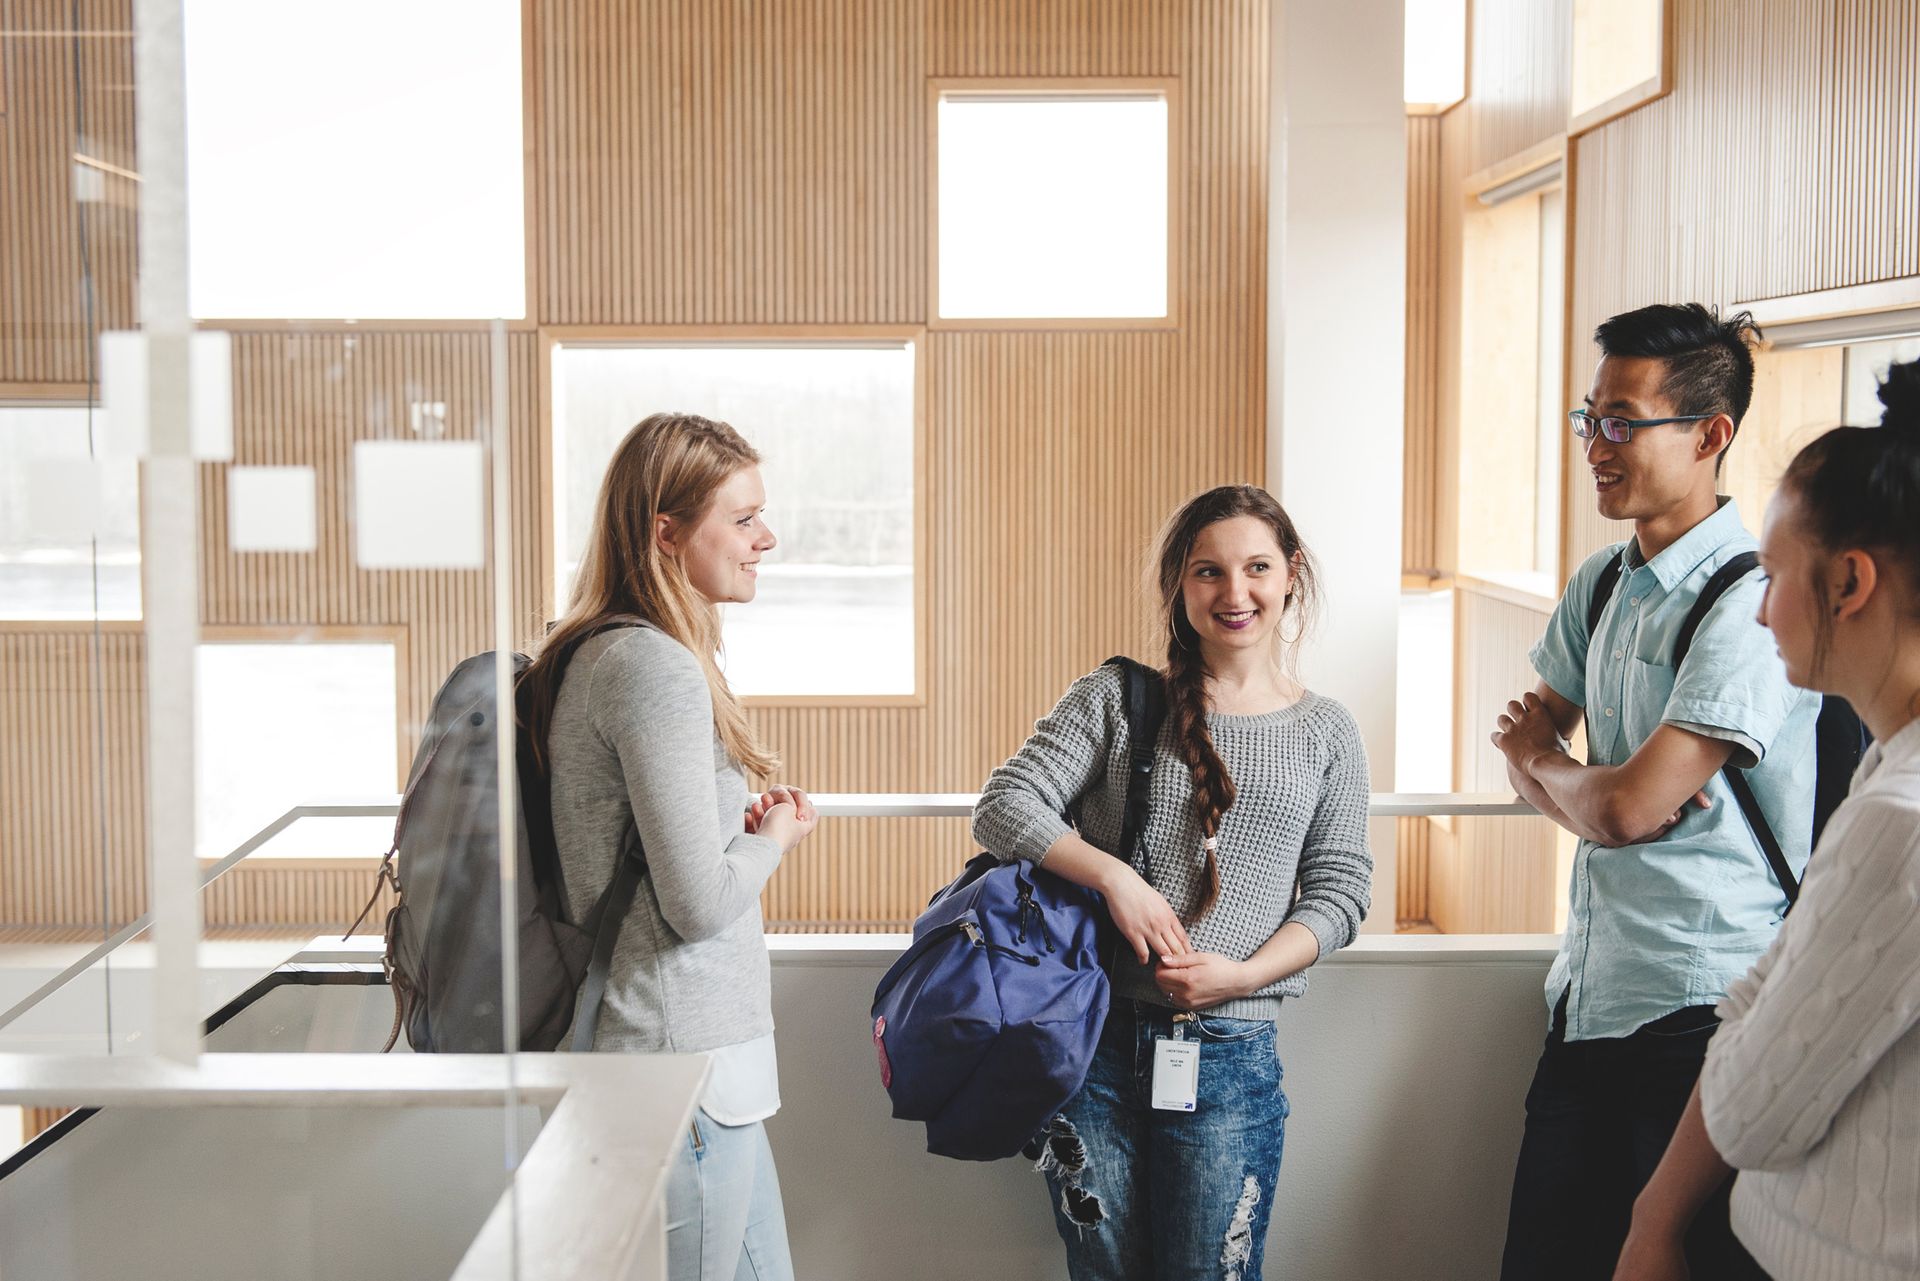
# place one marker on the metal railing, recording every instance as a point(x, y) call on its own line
point(830, 805)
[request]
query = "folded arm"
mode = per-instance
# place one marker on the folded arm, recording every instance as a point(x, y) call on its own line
point(1610, 805)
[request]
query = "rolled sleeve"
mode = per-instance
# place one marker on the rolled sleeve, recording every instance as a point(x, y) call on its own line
point(1560, 655)
point(1732, 685)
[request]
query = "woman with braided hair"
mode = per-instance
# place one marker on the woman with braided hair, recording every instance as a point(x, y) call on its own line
point(1251, 865)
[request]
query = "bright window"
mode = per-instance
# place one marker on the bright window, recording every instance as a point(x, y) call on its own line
point(1436, 53)
point(69, 523)
point(355, 159)
point(1053, 205)
point(1513, 399)
point(1866, 365)
point(281, 724)
point(834, 425)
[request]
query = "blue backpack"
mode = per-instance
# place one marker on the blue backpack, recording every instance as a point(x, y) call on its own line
point(986, 1025)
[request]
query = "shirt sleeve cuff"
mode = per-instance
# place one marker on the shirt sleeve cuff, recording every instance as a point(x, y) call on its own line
point(1326, 926)
point(1567, 684)
point(1039, 837)
point(1747, 750)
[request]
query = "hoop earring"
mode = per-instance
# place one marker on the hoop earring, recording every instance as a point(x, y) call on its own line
point(1178, 638)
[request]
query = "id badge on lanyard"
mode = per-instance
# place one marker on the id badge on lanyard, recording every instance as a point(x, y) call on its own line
point(1176, 1069)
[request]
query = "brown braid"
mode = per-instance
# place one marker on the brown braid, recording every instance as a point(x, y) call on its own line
point(1186, 673)
point(1213, 789)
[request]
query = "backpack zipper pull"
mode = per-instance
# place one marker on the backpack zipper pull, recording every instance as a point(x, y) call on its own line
point(978, 939)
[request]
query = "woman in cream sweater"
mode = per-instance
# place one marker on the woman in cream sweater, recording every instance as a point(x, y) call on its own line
point(1812, 1087)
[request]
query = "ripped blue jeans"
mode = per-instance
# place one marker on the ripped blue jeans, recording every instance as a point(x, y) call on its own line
point(1140, 1193)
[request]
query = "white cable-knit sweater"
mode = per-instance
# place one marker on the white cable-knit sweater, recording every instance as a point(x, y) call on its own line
point(1812, 1085)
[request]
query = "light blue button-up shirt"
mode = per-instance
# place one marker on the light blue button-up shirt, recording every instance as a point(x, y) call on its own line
point(1658, 927)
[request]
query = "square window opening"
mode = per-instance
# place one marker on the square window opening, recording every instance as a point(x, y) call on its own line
point(1053, 205)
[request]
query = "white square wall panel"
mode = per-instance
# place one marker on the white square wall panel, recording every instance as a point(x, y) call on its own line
point(271, 509)
point(63, 499)
point(124, 359)
point(419, 504)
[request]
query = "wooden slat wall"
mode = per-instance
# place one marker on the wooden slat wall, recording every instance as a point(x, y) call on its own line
point(73, 844)
point(711, 164)
point(694, 165)
point(1787, 159)
point(1494, 874)
point(1413, 842)
point(1420, 525)
point(1518, 77)
point(1054, 455)
point(43, 321)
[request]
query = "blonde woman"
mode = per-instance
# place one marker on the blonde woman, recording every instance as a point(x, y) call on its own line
point(645, 740)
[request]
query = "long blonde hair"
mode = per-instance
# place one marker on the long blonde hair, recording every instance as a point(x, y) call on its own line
point(668, 465)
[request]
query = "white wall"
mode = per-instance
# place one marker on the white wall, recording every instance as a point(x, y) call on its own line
point(1336, 324)
point(1406, 1066)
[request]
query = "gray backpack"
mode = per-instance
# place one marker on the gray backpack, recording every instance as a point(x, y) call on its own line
point(443, 954)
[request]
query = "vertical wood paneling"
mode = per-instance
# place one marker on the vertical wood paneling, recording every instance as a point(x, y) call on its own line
point(1420, 532)
point(65, 90)
point(1786, 160)
point(34, 1120)
point(72, 734)
point(1519, 73)
point(708, 164)
point(1413, 844)
point(1493, 874)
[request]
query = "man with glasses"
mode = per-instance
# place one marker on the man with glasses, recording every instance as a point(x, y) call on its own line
point(1671, 896)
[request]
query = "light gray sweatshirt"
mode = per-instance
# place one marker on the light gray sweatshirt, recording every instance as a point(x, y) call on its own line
point(1293, 847)
point(633, 742)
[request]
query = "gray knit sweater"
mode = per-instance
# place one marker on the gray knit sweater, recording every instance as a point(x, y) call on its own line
point(1292, 848)
point(632, 741)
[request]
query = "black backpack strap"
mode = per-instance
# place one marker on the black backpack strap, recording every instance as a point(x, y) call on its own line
point(1717, 586)
point(603, 923)
point(1144, 695)
point(1602, 593)
point(536, 799)
point(1776, 858)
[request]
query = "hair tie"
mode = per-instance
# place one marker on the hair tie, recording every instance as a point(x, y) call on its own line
point(1211, 845)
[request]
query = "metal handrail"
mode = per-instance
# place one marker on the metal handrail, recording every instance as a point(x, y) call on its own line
point(830, 805)
point(131, 930)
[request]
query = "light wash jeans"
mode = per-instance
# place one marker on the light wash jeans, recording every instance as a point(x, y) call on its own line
point(725, 1221)
point(1146, 1195)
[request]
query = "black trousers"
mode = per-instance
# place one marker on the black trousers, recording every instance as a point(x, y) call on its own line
point(1599, 1115)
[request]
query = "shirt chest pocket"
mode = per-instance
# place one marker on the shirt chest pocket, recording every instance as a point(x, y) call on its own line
point(1648, 687)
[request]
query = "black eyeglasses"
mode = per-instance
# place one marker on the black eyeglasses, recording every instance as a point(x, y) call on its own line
point(1620, 430)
